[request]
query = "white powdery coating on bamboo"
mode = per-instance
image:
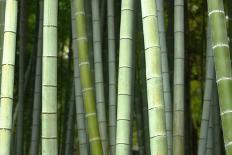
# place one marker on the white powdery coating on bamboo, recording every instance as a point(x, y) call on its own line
point(216, 11)
point(7, 81)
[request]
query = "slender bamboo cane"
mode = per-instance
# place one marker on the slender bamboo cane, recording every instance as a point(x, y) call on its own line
point(216, 123)
point(209, 144)
point(208, 93)
point(49, 79)
point(112, 76)
point(157, 130)
point(2, 14)
point(165, 74)
point(125, 77)
point(80, 113)
point(22, 48)
point(34, 146)
point(69, 130)
point(222, 66)
point(144, 90)
point(98, 70)
point(7, 81)
point(86, 80)
point(178, 97)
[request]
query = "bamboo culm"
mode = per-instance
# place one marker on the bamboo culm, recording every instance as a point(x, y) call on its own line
point(86, 79)
point(178, 96)
point(156, 112)
point(165, 74)
point(208, 92)
point(80, 112)
point(222, 61)
point(7, 81)
point(98, 71)
point(49, 79)
point(2, 14)
point(125, 78)
point(34, 146)
point(112, 76)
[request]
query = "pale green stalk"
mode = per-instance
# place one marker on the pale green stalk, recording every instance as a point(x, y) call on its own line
point(216, 123)
point(208, 94)
point(222, 61)
point(178, 90)
point(80, 112)
point(112, 76)
point(165, 74)
point(49, 79)
point(2, 14)
point(209, 144)
point(98, 70)
point(125, 77)
point(7, 81)
point(34, 146)
point(86, 80)
point(156, 113)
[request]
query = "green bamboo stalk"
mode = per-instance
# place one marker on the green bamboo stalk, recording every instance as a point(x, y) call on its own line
point(223, 67)
point(7, 81)
point(165, 74)
point(208, 93)
point(86, 80)
point(80, 113)
point(2, 14)
point(22, 48)
point(70, 130)
point(99, 83)
point(209, 145)
point(49, 79)
point(125, 77)
point(216, 123)
point(157, 129)
point(144, 90)
point(112, 76)
point(34, 145)
point(178, 97)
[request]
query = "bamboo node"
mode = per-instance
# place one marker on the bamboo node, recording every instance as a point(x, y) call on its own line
point(225, 112)
point(94, 139)
point(220, 45)
point(223, 79)
point(216, 11)
point(90, 114)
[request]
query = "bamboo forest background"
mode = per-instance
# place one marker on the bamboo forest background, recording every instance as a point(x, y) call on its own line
point(125, 79)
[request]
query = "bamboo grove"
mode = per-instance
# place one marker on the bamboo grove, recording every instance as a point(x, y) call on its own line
point(115, 77)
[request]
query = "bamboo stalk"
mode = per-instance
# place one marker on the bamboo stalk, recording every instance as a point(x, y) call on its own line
point(49, 79)
point(36, 122)
point(2, 14)
point(208, 93)
point(86, 80)
point(7, 81)
point(165, 74)
point(112, 76)
point(178, 97)
point(157, 130)
point(125, 79)
point(209, 144)
point(98, 70)
point(222, 67)
point(80, 113)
